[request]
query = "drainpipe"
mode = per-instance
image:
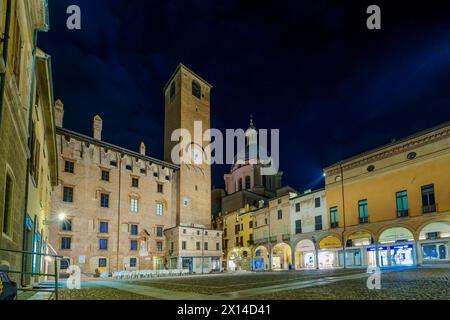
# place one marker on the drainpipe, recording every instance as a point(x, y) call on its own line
point(5, 56)
point(118, 215)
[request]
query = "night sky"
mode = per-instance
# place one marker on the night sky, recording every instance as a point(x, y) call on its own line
point(309, 68)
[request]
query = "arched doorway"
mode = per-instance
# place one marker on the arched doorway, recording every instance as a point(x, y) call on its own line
point(240, 259)
point(330, 253)
point(261, 259)
point(396, 248)
point(356, 247)
point(305, 255)
point(281, 257)
point(434, 243)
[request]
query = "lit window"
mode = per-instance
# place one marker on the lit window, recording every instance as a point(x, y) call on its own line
point(103, 227)
point(104, 200)
point(66, 243)
point(103, 244)
point(159, 209)
point(102, 263)
point(134, 230)
point(134, 205)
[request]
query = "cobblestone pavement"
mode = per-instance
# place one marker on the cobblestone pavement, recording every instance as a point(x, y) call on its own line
point(337, 284)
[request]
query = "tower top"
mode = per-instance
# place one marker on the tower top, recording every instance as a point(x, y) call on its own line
point(183, 67)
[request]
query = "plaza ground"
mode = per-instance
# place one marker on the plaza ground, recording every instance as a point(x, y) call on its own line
point(410, 284)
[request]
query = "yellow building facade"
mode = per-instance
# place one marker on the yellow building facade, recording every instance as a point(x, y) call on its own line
point(238, 239)
point(394, 200)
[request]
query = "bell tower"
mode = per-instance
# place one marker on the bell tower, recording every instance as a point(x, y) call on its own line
point(187, 101)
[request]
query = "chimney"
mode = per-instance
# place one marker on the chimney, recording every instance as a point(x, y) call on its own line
point(59, 113)
point(142, 148)
point(97, 127)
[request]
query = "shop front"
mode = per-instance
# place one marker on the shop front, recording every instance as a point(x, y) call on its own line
point(239, 259)
point(330, 253)
point(395, 249)
point(261, 259)
point(305, 255)
point(356, 249)
point(434, 243)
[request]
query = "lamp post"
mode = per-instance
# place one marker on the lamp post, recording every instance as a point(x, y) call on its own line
point(343, 211)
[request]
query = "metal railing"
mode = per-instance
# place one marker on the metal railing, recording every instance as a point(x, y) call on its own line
point(53, 289)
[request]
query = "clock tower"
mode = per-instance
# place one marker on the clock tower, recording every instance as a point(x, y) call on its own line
point(187, 101)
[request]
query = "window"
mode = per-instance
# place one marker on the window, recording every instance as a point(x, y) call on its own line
point(250, 224)
point(159, 246)
point(104, 200)
point(428, 199)
point(217, 246)
point(68, 194)
point(133, 262)
point(134, 229)
point(159, 209)
point(298, 226)
point(35, 156)
point(105, 175)
point(69, 166)
point(297, 207)
point(240, 184)
point(133, 204)
point(7, 208)
point(159, 231)
point(66, 225)
point(172, 246)
point(172, 91)
point(280, 214)
point(160, 188)
point(128, 167)
point(434, 252)
point(279, 201)
point(206, 246)
point(237, 241)
point(135, 182)
point(17, 52)
point(103, 244)
point(363, 211)
point(183, 245)
point(318, 221)
point(102, 262)
point(402, 204)
point(198, 246)
point(317, 202)
point(103, 227)
point(196, 89)
point(64, 264)
point(247, 182)
point(334, 219)
point(133, 245)
point(206, 232)
point(66, 243)
point(225, 232)
point(113, 163)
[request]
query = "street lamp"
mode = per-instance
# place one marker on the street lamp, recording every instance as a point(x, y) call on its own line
point(62, 216)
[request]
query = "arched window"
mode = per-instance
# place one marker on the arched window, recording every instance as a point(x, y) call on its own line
point(239, 184)
point(247, 182)
point(172, 90)
point(196, 89)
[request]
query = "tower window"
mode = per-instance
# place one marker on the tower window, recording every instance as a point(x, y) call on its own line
point(196, 89)
point(172, 91)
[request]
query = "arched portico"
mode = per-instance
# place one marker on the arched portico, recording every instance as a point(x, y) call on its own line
point(281, 256)
point(305, 255)
point(330, 251)
point(261, 259)
point(434, 243)
point(239, 259)
point(395, 246)
point(356, 244)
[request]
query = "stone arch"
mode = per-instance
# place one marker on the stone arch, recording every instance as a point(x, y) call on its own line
point(281, 256)
point(329, 234)
point(435, 224)
point(409, 229)
point(396, 225)
point(361, 231)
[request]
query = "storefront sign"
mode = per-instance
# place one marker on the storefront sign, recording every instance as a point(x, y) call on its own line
point(330, 243)
point(305, 246)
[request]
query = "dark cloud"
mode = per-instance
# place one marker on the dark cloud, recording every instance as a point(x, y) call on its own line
point(309, 68)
